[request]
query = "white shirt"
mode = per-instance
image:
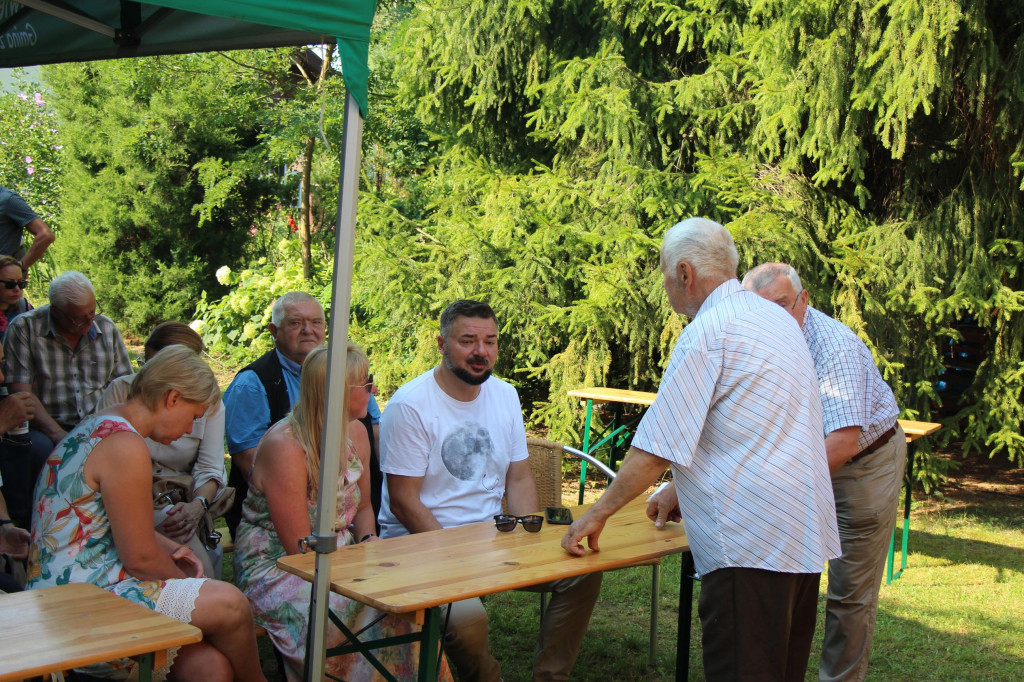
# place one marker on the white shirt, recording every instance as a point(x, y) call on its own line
point(462, 450)
point(852, 390)
point(738, 417)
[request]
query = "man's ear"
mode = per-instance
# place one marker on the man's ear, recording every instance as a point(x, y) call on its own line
point(440, 343)
point(273, 329)
point(684, 274)
point(804, 296)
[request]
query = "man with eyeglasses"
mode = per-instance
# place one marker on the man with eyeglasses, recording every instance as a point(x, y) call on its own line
point(866, 450)
point(65, 353)
point(452, 444)
point(262, 393)
point(15, 219)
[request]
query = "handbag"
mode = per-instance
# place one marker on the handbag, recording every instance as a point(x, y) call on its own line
point(169, 489)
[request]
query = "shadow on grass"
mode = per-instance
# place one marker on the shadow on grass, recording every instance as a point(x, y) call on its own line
point(959, 550)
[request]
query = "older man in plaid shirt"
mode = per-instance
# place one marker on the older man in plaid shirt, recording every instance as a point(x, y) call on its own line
point(65, 353)
point(866, 451)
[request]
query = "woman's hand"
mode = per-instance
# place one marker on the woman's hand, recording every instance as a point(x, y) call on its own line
point(186, 560)
point(182, 520)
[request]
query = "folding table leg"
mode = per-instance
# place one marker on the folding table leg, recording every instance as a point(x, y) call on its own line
point(586, 447)
point(429, 645)
point(686, 570)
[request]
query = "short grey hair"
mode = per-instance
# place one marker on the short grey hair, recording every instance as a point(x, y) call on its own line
point(291, 298)
point(70, 287)
point(704, 244)
point(764, 274)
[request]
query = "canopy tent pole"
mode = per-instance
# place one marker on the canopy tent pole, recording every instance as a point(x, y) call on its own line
point(335, 433)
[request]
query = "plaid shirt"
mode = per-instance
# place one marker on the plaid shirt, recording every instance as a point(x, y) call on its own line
point(853, 392)
point(68, 381)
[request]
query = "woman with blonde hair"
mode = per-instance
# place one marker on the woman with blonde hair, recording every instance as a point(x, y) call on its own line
point(281, 509)
point(92, 522)
point(199, 455)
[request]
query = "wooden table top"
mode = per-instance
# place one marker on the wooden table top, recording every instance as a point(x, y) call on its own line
point(913, 429)
point(69, 626)
point(414, 572)
point(613, 395)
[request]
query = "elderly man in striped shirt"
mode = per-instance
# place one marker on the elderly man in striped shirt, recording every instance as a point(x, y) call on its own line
point(738, 420)
point(866, 453)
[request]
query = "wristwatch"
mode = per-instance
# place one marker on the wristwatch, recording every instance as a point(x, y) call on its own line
point(206, 505)
point(4, 522)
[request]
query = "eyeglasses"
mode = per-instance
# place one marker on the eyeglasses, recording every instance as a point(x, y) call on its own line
point(79, 321)
point(12, 283)
point(368, 385)
point(294, 324)
point(506, 523)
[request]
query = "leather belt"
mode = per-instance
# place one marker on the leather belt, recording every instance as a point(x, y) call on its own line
point(879, 442)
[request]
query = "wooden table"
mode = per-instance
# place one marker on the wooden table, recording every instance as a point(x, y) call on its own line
point(70, 626)
point(415, 574)
point(616, 434)
point(913, 431)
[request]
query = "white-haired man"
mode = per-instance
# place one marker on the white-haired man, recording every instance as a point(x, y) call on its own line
point(866, 451)
point(65, 353)
point(263, 393)
point(738, 420)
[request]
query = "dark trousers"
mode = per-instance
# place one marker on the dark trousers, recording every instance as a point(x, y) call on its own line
point(21, 459)
point(757, 624)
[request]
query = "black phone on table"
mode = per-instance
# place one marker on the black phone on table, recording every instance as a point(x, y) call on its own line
point(559, 515)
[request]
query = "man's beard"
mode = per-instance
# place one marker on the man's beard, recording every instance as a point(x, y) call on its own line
point(464, 375)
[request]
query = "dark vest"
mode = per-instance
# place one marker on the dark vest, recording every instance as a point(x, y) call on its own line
point(268, 370)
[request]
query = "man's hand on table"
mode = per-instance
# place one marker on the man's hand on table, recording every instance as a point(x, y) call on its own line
point(587, 526)
point(664, 506)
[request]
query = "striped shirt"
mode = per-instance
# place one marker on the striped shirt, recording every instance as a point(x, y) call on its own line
point(852, 390)
point(68, 381)
point(738, 417)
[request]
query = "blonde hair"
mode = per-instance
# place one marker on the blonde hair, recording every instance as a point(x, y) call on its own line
point(306, 419)
point(6, 260)
point(175, 368)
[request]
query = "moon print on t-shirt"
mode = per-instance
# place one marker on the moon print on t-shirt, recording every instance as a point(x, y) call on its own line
point(466, 451)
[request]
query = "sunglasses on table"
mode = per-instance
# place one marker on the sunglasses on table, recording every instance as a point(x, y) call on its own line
point(506, 523)
point(11, 283)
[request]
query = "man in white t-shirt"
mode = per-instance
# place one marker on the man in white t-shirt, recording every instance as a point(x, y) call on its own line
point(452, 444)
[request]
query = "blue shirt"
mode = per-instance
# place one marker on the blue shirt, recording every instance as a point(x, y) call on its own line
point(247, 409)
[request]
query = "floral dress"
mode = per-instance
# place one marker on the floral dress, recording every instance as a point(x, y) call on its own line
point(72, 543)
point(280, 600)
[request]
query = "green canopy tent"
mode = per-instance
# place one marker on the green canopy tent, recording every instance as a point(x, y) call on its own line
point(49, 31)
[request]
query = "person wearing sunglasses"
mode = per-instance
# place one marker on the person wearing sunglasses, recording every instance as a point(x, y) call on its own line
point(452, 445)
point(65, 353)
point(12, 292)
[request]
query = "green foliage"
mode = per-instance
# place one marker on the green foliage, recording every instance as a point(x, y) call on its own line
point(165, 178)
point(235, 326)
point(876, 146)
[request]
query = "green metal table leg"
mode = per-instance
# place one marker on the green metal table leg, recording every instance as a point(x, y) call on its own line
point(908, 484)
point(146, 667)
point(586, 447)
point(429, 657)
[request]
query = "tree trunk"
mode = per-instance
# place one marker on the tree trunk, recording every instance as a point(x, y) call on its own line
point(305, 227)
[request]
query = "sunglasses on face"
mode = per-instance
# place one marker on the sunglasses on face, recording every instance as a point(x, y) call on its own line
point(12, 283)
point(368, 385)
point(506, 523)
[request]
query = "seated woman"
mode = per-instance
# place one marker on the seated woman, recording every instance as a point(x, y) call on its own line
point(92, 522)
point(12, 292)
point(281, 508)
point(199, 454)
